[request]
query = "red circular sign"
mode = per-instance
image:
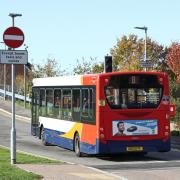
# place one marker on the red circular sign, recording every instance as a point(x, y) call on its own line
point(13, 37)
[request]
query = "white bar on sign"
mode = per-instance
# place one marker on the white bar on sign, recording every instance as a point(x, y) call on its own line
point(13, 37)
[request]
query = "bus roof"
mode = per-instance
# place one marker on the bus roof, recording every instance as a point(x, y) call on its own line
point(58, 81)
point(78, 79)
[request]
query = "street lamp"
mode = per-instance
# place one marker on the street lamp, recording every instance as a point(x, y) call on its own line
point(26, 47)
point(145, 41)
point(13, 15)
point(13, 129)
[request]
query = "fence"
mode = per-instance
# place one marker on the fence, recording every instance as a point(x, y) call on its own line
point(17, 96)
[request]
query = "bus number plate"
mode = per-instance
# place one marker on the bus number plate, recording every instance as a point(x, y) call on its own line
point(134, 148)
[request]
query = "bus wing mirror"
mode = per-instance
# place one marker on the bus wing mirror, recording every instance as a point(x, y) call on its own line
point(172, 110)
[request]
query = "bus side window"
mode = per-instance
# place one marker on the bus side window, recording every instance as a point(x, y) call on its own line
point(66, 106)
point(57, 104)
point(85, 103)
point(35, 111)
point(49, 102)
point(88, 106)
point(42, 103)
point(76, 105)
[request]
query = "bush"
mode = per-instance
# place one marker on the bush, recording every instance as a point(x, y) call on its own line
point(175, 133)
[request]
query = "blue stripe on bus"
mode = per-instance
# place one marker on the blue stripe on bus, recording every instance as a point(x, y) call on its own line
point(53, 137)
point(120, 146)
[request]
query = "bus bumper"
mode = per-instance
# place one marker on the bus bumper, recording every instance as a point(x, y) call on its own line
point(114, 147)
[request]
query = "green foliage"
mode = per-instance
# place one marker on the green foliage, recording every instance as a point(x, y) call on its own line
point(88, 67)
point(129, 51)
point(49, 69)
point(175, 133)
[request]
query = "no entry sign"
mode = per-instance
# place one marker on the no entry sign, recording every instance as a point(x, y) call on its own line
point(13, 37)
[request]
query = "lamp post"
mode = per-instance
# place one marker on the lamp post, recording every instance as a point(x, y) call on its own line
point(13, 129)
point(4, 66)
point(145, 41)
point(25, 93)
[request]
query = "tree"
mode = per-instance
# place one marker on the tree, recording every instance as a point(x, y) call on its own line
point(126, 54)
point(88, 66)
point(173, 59)
point(129, 51)
point(51, 68)
point(20, 84)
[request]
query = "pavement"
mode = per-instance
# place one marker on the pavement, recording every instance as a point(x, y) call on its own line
point(65, 171)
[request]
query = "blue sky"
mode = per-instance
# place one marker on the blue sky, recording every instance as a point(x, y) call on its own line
point(68, 30)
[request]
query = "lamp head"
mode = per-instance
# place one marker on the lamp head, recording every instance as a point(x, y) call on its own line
point(14, 15)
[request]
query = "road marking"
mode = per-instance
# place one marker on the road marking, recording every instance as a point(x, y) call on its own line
point(20, 118)
point(104, 172)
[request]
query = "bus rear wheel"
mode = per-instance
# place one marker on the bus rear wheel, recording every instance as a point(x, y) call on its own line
point(77, 145)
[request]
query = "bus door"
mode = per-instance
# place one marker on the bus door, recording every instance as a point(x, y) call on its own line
point(35, 113)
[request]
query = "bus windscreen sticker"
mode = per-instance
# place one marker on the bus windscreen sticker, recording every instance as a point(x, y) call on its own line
point(134, 127)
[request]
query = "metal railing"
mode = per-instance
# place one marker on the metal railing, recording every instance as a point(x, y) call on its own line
point(17, 96)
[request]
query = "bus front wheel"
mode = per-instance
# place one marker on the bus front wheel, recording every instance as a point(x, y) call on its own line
point(43, 137)
point(77, 145)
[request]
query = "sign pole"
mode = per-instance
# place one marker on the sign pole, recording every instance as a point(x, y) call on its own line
point(13, 37)
point(13, 129)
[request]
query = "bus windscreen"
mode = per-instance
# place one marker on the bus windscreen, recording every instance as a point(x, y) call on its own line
point(133, 91)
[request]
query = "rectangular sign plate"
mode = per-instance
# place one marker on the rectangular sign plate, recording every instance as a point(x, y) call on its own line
point(146, 64)
point(13, 57)
point(134, 149)
point(134, 127)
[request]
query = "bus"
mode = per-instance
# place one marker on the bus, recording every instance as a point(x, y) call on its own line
point(105, 113)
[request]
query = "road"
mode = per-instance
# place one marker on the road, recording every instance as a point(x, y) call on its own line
point(118, 165)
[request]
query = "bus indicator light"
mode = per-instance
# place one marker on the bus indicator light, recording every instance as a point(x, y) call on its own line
point(101, 102)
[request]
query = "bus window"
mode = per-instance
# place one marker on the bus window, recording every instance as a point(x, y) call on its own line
point(57, 103)
point(91, 103)
point(42, 103)
point(49, 102)
point(133, 91)
point(76, 105)
point(85, 103)
point(88, 106)
point(66, 106)
point(35, 111)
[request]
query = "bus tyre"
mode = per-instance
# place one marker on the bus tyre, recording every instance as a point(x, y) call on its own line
point(77, 146)
point(43, 137)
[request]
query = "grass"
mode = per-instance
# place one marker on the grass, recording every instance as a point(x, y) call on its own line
point(10, 172)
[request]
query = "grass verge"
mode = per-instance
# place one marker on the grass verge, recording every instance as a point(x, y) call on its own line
point(10, 172)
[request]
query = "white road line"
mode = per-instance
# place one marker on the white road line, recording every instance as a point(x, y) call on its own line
point(104, 172)
point(20, 118)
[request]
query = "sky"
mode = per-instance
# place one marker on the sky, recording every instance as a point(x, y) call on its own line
point(68, 30)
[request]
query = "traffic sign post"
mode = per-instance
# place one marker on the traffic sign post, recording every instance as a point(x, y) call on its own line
point(13, 37)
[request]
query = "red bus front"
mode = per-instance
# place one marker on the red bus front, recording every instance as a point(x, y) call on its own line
point(133, 112)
